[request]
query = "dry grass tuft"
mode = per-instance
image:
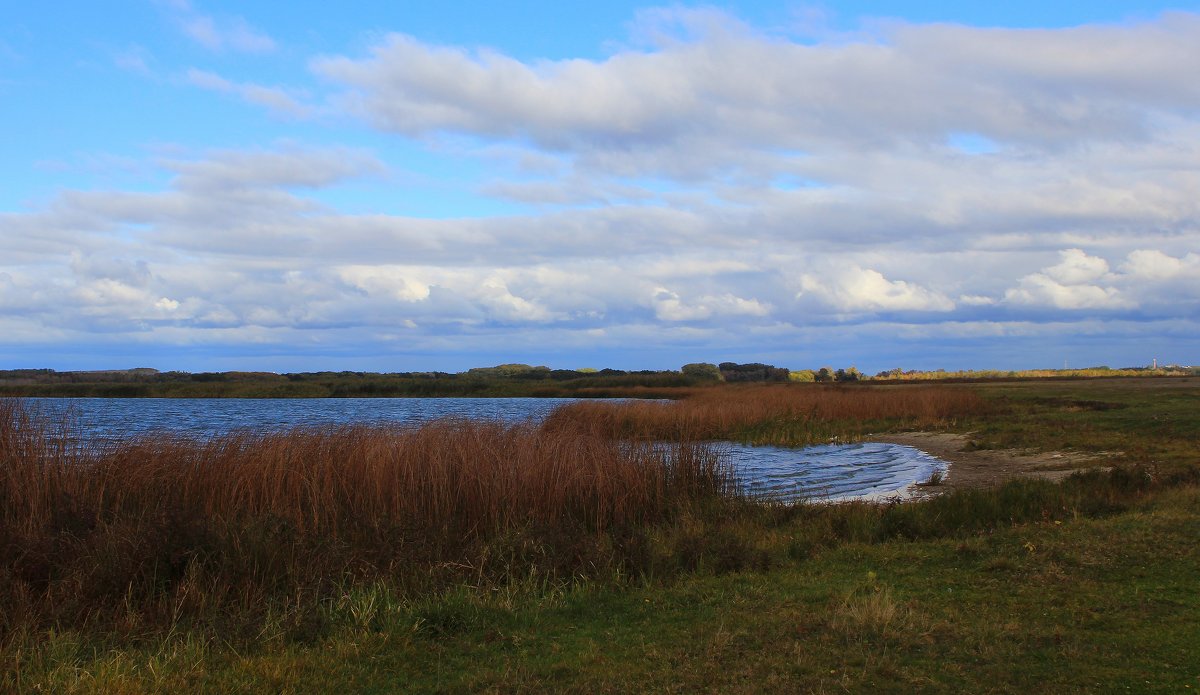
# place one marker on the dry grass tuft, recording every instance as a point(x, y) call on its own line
point(873, 610)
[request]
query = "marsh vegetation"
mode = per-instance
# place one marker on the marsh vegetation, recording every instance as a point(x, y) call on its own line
point(470, 555)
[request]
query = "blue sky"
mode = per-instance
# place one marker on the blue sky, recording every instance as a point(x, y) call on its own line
point(408, 186)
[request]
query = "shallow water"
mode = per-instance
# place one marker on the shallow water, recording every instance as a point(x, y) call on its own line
point(832, 472)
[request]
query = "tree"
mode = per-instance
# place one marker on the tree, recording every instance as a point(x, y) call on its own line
point(703, 371)
point(823, 375)
point(755, 371)
point(844, 375)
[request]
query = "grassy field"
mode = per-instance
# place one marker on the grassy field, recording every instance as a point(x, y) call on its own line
point(467, 557)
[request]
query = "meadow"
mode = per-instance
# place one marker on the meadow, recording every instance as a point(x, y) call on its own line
point(581, 556)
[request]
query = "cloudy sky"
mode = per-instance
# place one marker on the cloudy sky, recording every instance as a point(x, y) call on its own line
point(394, 186)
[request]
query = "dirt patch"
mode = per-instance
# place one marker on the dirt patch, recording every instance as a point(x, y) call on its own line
point(986, 467)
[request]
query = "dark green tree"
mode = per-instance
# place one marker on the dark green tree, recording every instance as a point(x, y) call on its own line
point(844, 375)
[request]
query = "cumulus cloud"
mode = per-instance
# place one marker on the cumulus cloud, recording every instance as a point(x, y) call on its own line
point(1040, 290)
point(1147, 279)
point(1161, 284)
point(1069, 284)
point(233, 242)
point(669, 306)
point(395, 281)
point(1077, 268)
point(855, 290)
point(1151, 264)
point(725, 83)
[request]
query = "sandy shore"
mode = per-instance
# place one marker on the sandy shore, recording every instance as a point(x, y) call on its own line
point(975, 468)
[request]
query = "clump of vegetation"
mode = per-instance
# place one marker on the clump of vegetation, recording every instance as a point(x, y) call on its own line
point(159, 527)
point(703, 371)
point(772, 414)
point(753, 372)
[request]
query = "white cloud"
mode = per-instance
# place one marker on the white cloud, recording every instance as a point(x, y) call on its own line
point(1039, 290)
point(1077, 268)
point(263, 169)
point(853, 289)
point(495, 294)
point(669, 306)
point(722, 83)
point(975, 300)
point(730, 305)
point(219, 34)
point(1069, 285)
point(273, 98)
point(395, 281)
point(1151, 264)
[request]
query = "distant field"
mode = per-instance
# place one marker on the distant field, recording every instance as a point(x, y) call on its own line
point(470, 557)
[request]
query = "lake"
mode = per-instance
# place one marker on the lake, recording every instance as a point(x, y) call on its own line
point(834, 472)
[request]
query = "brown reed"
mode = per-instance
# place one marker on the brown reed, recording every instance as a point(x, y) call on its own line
point(83, 528)
point(791, 414)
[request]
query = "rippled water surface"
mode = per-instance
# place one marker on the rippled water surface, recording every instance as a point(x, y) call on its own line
point(204, 417)
point(833, 472)
point(829, 472)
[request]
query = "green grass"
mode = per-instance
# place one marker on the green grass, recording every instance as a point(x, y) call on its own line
point(1149, 422)
point(1085, 605)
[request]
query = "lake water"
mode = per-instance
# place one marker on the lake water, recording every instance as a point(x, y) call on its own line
point(834, 472)
point(870, 470)
point(204, 417)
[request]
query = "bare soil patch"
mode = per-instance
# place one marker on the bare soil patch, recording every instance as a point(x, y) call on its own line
point(986, 467)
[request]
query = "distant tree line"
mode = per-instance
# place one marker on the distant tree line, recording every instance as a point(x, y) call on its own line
point(500, 380)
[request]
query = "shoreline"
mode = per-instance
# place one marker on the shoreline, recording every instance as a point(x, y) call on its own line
point(987, 467)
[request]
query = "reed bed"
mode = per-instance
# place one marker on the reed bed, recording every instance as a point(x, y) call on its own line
point(776, 414)
point(168, 525)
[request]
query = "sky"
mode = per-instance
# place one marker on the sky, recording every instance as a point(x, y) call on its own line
point(411, 186)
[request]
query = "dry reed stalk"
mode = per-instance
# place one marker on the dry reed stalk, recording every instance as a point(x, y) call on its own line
point(470, 476)
point(150, 521)
point(724, 412)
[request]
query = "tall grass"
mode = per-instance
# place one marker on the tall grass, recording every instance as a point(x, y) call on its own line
point(775, 414)
point(172, 525)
